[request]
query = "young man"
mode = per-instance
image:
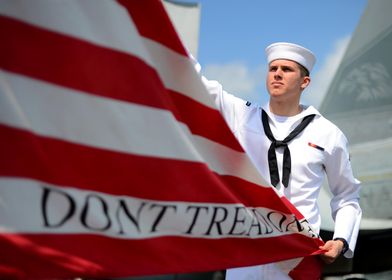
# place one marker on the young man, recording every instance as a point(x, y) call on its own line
point(296, 164)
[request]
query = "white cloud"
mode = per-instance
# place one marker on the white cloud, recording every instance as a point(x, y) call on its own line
point(239, 80)
point(321, 80)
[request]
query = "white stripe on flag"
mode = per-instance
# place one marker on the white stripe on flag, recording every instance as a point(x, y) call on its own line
point(71, 115)
point(75, 20)
point(30, 206)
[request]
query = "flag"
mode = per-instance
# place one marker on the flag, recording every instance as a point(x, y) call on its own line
point(114, 160)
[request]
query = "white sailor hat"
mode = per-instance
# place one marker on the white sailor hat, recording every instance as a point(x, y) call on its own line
point(291, 51)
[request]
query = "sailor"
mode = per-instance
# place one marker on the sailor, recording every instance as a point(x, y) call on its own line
point(299, 147)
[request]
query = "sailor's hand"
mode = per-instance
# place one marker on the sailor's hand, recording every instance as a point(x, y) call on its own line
point(333, 250)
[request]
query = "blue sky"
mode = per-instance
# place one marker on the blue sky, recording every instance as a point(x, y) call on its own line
point(233, 36)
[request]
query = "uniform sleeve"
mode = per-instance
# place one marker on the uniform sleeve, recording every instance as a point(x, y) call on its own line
point(231, 107)
point(346, 211)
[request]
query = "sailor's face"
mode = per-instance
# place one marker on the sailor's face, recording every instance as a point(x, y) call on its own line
point(284, 79)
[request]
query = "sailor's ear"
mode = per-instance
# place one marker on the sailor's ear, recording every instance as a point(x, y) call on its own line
point(305, 82)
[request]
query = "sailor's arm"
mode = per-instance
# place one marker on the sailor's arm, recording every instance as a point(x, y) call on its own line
point(230, 106)
point(346, 211)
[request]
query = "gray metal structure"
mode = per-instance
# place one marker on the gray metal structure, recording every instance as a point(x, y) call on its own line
point(185, 17)
point(359, 101)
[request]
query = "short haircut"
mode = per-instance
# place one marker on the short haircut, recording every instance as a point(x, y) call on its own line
point(304, 71)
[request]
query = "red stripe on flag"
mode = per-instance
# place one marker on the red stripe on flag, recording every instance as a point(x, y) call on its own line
point(292, 208)
point(309, 268)
point(78, 64)
point(24, 154)
point(86, 255)
point(203, 121)
point(102, 72)
point(156, 26)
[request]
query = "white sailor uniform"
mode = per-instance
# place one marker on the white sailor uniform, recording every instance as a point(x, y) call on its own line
point(319, 150)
